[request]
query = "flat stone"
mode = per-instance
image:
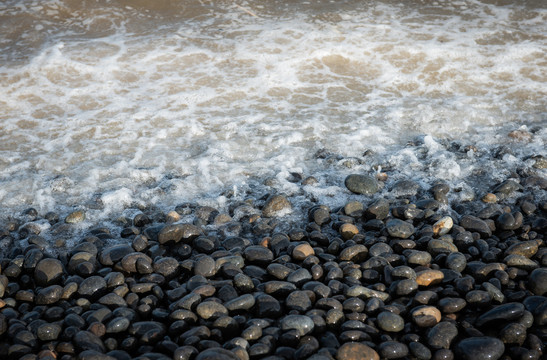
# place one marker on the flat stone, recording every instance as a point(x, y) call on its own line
point(75, 217)
point(92, 287)
point(217, 354)
point(356, 351)
point(361, 184)
point(429, 277)
point(438, 246)
point(479, 348)
point(506, 312)
point(243, 302)
point(450, 305)
point(211, 310)
point(302, 324)
point(257, 254)
point(366, 293)
point(525, 248)
point(117, 325)
point(354, 253)
point(474, 224)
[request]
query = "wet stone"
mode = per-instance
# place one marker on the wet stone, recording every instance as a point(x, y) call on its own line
point(211, 310)
point(117, 325)
point(276, 205)
point(216, 354)
point(92, 287)
point(75, 217)
point(48, 332)
point(48, 272)
point(356, 351)
point(49, 295)
point(537, 281)
point(456, 261)
point(361, 184)
point(417, 257)
point(113, 254)
point(450, 305)
point(399, 228)
point(426, 316)
point(392, 350)
point(259, 255)
point(513, 333)
point(85, 340)
point(429, 277)
point(243, 302)
point(442, 335)
point(479, 348)
point(302, 251)
point(419, 350)
point(474, 224)
point(504, 313)
point(302, 324)
point(389, 321)
point(205, 266)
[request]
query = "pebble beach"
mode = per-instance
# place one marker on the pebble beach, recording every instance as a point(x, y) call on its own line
point(407, 275)
point(273, 180)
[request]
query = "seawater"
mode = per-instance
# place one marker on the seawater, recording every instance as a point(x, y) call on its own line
point(112, 105)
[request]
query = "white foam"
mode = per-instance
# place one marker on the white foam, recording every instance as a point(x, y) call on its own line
point(222, 96)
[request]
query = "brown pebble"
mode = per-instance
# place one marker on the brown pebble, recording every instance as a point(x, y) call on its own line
point(302, 251)
point(171, 217)
point(426, 316)
point(356, 351)
point(490, 198)
point(520, 135)
point(429, 277)
point(348, 231)
point(443, 226)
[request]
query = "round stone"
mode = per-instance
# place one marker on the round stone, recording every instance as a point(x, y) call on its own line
point(392, 350)
point(205, 266)
point(361, 184)
point(302, 251)
point(276, 205)
point(348, 231)
point(399, 228)
point(443, 226)
point(537, 281)
point(480, 348)
point(48, 272)
point(257, 254)
point(442, 335)
point(75, 217)
point(391, 322)
point(426, 316)
point(356, 351)
point(211, 310)
point(429, 277)
point(302, 324)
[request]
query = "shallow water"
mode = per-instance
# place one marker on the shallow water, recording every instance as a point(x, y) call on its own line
point(106, 105)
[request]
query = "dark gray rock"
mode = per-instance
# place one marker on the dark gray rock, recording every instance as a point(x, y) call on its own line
point(361, 184)
point(502, 313)
point(48, 272)
point(399, 228)
point(479, 348)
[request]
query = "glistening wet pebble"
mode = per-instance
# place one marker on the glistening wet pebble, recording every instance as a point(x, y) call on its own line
point(403, 275)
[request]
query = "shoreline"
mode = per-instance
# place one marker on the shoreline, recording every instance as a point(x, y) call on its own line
point(403, 277)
